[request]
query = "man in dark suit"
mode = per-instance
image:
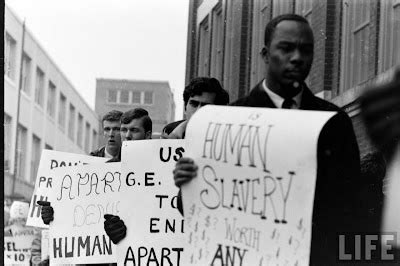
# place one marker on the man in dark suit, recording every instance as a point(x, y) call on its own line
point(288, 55)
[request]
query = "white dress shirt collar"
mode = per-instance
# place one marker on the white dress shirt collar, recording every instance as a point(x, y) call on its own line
point(278, 100)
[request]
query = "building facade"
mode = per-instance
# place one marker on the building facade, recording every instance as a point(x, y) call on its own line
point(52, 114)
point(122, 94)
point(355, 46)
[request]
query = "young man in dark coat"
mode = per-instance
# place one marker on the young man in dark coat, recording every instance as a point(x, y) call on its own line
point(288, 55)
point(111, 123)
point(199, 92)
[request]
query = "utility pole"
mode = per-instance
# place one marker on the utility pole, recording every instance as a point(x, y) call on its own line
point(18, 107)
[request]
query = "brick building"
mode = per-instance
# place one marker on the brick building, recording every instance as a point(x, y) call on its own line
point(122, 94)
point(52, 114)
point(355, 46)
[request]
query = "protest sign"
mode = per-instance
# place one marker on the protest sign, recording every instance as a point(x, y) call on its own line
point(45, 244)
point(80, 198)
point(391, 214)
point(252, 200)
point(13, 255)
point(149, 206)
point(19, 210)
point(49, 161)
point(23, 235)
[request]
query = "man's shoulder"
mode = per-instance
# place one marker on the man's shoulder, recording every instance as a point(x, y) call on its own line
point(171, 126)
point(100, 152)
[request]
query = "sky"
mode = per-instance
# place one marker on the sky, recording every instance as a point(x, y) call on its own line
point(129, 39)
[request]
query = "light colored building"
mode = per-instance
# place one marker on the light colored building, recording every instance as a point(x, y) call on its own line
point(123, 94)
point(52, 115)
point(354, 46)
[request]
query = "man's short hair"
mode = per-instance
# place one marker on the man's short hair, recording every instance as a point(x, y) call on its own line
point(137, 113)
point(270, 28)
point(203, 84)
point(113, 116)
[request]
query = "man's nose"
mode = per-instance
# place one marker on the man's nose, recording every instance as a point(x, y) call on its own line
point(297, 56)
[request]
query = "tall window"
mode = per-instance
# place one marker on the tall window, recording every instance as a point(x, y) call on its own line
point(124, 96)
point(355, 41)
point(71, 122)
point(26, 73)
point(280, 7)
point(261, 17)
point(51, 100)
point(7, 141)
point(94, 140)
point(112, 96)
point(35, 159)
point(61, 111)
point(136, 96)
point(148, 97)
point(39, 88)
point(217, 51)
point(204, 49)
point(87, 137)
point(80, 130)
point(10, 56)
point(21, 151)
point(304, 8)
point(389, 41)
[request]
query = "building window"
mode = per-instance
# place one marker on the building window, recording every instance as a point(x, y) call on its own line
point(355, 43)
point(217, 51)
point(61, 111)
point(80, 130)
point(304, 8)
point(136, 97)
point(10, 56)
point(26, 74)
point(112, 96)
point(39, 88)
point(35, 159)
point(21, 151)
point(71, 123)
point(148, 97)
point(94, 140)
point(262, 16)
point(51, 100)
point(124, 96)
point(7, 141)
point(204, 49)
point(280, 7)
point(87, 137)
point(389, 41)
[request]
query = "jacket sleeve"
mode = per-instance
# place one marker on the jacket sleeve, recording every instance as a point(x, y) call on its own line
point(336, 196)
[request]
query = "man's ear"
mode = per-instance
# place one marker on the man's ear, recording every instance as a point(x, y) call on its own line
point(148, 135)
point(265, 54)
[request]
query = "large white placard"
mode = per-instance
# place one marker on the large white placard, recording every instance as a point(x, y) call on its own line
point(149, 209)
point(252, 200)
point(80, 198)
point(391, 214)
point(49, 161)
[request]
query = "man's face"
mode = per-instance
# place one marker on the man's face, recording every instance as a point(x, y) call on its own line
point(111, 131)
point(196, 102)
point(134, 130)
point(290, 53)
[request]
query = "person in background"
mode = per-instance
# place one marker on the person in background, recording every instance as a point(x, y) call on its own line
point(136, 124)
point(199, 92)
